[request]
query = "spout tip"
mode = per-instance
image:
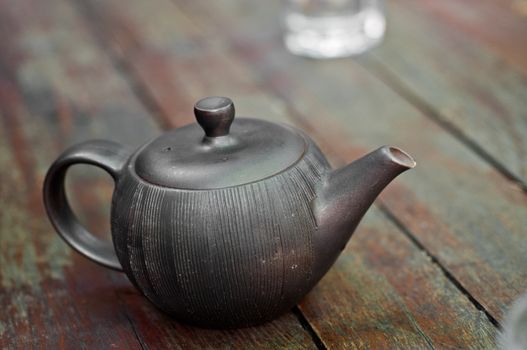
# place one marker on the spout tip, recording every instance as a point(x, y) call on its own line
point(400, 157)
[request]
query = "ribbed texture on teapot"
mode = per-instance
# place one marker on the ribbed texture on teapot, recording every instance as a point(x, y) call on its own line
point(226, 257)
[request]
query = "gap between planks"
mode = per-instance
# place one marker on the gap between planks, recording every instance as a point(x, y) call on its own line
point(122, 66)
point(136, 333)
point(383, 73)
point(308, 328)
point(449, 276)
point(142, 92)
point(138, 337)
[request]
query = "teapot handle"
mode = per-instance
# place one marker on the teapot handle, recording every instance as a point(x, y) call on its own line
point(107, 155)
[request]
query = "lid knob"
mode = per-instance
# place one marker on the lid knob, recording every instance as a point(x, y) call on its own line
point(215, 115)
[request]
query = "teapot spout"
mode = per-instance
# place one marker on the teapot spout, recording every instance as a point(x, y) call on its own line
point(346, 194)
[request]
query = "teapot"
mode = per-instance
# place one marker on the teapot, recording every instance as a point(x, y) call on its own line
point(224, 224)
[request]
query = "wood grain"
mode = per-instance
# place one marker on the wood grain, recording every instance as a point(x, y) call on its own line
point(383, 293)
point(45, 304)
point(57, 87)
point(375, 294)
point(461, 209)
point(430, 58)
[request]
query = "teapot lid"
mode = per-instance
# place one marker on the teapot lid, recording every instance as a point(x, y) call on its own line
point(220, 151)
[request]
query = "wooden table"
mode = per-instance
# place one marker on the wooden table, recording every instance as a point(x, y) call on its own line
point(434, 264)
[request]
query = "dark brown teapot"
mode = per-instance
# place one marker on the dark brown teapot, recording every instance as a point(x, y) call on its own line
point(225, 225)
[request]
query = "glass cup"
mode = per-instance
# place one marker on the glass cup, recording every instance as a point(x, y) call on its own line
point(333, 28)
point(514, 333)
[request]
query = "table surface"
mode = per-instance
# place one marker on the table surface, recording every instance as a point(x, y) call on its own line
point(435, 263)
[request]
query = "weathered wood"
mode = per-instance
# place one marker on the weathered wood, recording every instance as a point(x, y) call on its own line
point(498, 25)
point(44, 302)
point(158, 331)
point(57, 87)
point(463, 211)
point(427, 58)
point(383, 293)
point(383, 290)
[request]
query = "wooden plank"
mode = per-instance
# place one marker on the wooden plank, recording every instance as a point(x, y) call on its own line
point(477, 92)
point(498, 25)
point(380, 295)
point(379, 284)
point(151, 49)
point(463, 211)
point(57, 87)
point(44, 302)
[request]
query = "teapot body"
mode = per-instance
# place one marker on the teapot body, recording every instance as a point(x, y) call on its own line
point(226, 224)
point(228, 257)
